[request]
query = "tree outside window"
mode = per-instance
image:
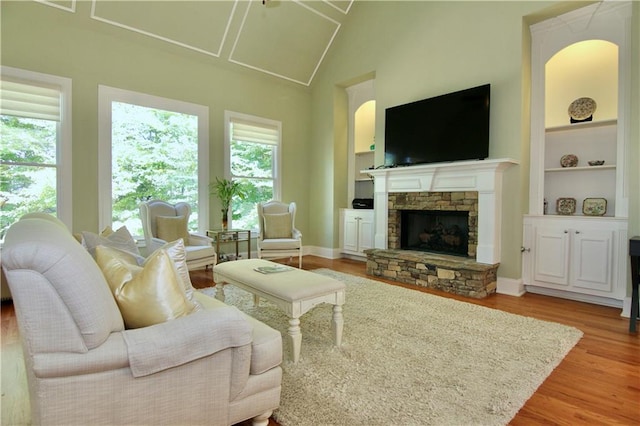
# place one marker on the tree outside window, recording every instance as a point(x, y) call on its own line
point(154, 156)
point(253, 145)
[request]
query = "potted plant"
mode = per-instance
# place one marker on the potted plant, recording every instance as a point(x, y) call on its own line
point(225, 190)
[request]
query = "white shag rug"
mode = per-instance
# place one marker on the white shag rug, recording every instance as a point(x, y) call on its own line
point(410, 358)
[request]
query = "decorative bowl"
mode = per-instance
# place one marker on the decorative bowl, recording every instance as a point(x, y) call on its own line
point(569, 160)
point(596, 162)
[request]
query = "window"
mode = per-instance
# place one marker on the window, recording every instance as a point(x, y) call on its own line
point(252, 158)
point(35, 159)
point(151, 148)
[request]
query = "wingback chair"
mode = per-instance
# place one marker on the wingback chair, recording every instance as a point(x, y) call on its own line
point(163, 222)
point(214, 366)
point(278, 235)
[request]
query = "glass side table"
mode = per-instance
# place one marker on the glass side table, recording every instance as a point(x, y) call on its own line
point(232, 236)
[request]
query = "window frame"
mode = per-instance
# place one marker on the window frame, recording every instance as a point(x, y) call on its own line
point(107, 95)
point(64, 181)
point(229, 116)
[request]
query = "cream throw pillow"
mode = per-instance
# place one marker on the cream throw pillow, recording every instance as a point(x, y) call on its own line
point(147, 295)
point(277, 226)
point(171, 228)
point(120, 239)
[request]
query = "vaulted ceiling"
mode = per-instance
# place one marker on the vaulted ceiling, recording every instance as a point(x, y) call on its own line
point(287, 39)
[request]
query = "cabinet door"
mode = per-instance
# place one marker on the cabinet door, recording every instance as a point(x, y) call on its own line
point(551, 263)
point(592, 254)
point(350, 237)
point(366, 232)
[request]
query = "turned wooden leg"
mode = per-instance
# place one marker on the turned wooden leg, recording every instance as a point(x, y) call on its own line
point(262, 419)
point(220, 291)
point(296, 338)
point(337, 323)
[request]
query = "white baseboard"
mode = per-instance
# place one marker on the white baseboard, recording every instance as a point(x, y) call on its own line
point(510, 287)
point(587, 298)
point(327, 253)
point(626, 307)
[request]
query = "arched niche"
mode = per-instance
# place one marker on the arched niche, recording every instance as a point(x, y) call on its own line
point(565, 51)
point(586, 68)
point(365, 126)
point(361, 131)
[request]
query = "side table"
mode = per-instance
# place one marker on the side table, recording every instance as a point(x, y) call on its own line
point(231, 236)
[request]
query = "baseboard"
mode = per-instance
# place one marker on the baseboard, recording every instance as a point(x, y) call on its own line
point(324, 252)
point(587, 298)
point(510, 286)
point(626, 307)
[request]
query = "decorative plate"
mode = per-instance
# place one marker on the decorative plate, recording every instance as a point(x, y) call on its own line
point(582, 108)
point(594, 206)
point(566, 205)
point(569, 160)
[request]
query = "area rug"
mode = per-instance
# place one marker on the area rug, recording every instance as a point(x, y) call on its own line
point(410, 358)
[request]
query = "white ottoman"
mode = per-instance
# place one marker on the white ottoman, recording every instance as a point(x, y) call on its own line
point(295, 291)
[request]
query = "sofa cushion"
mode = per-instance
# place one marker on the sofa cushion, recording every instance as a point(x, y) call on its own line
point(278, 226)
point(171, 228)
point(146, 295)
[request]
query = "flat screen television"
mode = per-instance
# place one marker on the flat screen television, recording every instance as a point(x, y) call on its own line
point(450, 127)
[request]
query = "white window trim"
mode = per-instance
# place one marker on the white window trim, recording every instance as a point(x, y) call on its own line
point(228, 116)
point(107, 95)
point(64, 181)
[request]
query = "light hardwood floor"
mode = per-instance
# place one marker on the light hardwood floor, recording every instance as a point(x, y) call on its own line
point(597, 383)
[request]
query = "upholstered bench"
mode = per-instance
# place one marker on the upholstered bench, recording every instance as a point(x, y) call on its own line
point(295, 291)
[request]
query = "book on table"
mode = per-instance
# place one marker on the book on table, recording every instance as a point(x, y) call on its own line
point(272, 269)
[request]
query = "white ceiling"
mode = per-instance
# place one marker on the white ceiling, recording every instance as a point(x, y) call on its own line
point(284, 38)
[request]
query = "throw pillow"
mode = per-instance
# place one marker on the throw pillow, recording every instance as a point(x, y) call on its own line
point(171, 228)
point(146, 295)
point(176, 251)
point(120, 239)
point(277, 226)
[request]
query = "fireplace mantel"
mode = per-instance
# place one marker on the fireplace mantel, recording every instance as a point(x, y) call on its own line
point(483, 176)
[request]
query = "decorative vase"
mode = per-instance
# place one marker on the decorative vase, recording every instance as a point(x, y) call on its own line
point(225, 221)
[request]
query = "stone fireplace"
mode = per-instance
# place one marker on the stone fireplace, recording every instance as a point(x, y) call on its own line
point(435, 222)
point(438, 225)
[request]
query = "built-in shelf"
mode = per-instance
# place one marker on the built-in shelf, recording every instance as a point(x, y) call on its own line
point(577, 169)
point(583, 125)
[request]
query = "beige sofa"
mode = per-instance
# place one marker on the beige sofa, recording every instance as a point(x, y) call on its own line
point(215, 366)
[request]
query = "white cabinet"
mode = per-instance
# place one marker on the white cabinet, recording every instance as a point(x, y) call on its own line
point(356, 231)
point(571, 252)
point(584, 257)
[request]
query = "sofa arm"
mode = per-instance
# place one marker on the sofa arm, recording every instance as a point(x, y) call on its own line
point(176, 342)
point(111, 355)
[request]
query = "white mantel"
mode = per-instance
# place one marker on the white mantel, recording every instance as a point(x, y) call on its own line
point(483, 176)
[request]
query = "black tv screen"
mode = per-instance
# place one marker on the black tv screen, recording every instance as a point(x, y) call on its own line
point(450, 127)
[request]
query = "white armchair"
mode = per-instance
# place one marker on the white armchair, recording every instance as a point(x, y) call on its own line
point(278, 235)
point(163, 222)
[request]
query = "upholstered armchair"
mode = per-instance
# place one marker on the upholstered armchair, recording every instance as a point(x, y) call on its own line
point(214, 365)
point(163, 222)
point(278, 235)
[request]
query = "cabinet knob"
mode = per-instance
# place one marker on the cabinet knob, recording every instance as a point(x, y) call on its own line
point(522, 250)
point(577, 232)
point(566, 231)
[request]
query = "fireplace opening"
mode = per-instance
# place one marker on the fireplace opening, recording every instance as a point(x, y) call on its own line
point(437, 231)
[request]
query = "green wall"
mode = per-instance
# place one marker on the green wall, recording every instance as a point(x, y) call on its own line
point(422, 49)
point(41, 38)
point(413, 50)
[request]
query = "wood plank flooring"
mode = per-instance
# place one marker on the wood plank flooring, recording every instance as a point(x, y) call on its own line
point(597, 383)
